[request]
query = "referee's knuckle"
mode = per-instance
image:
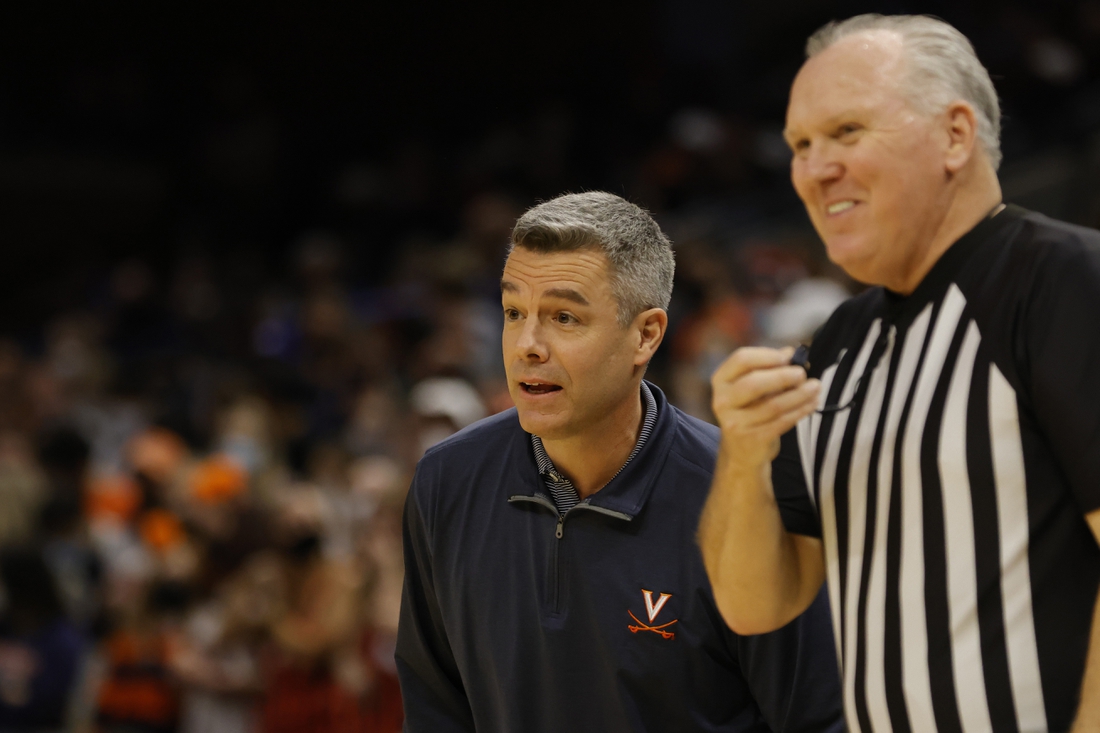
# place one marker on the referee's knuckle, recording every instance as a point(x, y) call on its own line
point(774, 408)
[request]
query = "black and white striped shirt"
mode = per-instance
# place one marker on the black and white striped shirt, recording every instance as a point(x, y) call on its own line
point(951, 494)
point(561, 488)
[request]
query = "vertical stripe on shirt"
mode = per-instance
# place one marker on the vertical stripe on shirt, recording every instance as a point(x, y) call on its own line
point(1008, 469)
point(914, 625)
point(859, 500)
point(808, 429)
point(876, 586)
point(827, 502)
point(958, 519)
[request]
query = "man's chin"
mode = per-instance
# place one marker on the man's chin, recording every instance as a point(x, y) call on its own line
point(537, 423)
point(849, 253)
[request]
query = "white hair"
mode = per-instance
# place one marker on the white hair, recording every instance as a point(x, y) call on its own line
point(942, 67)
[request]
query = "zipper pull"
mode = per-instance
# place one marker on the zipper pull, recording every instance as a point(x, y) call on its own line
point(559, 531)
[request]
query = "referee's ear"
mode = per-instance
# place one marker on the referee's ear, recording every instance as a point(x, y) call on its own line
point(960, 125)
point(649, 327)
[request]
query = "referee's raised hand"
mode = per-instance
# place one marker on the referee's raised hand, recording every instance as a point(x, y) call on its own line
point(762, 576)
point(757, 396)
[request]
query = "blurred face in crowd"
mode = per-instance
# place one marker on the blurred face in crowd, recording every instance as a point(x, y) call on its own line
point(571, 365)
point(871, 170)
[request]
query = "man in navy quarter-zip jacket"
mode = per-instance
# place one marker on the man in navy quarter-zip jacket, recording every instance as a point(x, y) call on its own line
point(552, 578)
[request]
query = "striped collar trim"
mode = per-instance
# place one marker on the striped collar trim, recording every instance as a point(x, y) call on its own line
point(561, 489)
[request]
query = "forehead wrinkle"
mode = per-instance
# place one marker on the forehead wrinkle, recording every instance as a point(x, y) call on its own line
point(584, 274)
point(567, 294)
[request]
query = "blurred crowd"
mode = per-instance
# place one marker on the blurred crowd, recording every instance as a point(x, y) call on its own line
point(202, 476)
point(205, 444)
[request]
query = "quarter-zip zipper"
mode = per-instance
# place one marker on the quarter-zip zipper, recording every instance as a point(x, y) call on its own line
point(554, 591)
point(559, 531)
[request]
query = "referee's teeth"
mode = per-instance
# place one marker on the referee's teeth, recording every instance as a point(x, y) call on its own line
point(840, 206)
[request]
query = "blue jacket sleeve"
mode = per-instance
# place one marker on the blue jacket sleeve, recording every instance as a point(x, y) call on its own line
point(793, 673)
point(431, 687)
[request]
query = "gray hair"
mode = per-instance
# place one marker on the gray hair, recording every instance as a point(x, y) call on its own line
point(639, 254)
point(942, 67)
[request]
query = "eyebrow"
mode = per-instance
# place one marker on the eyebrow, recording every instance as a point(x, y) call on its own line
point(573, 296)
point(567, 294)
point(834, 121)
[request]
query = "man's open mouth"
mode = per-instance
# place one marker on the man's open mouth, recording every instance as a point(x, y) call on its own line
point(538, 387)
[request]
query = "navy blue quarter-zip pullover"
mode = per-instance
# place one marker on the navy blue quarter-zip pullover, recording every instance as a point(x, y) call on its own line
point(518, 619)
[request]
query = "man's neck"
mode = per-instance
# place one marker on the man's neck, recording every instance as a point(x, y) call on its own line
point(970, 203)
point(592, 459)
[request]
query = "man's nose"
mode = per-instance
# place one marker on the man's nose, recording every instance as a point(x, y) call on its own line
point(822, 163)
point(531, 343)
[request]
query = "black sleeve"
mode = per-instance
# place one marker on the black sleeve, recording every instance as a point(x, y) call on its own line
point(793, 673)
point(431, 688)
point(789, 485)
point(1062, 365)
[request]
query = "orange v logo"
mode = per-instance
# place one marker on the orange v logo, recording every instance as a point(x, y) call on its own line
point(654, 608)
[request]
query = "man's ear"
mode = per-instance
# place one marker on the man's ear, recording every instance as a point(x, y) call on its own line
point(650, 326)
point(962, 135)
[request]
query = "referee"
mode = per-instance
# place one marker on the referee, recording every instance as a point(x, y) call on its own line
point(944, 475)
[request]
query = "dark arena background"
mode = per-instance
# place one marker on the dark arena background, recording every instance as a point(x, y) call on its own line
point(249, 263)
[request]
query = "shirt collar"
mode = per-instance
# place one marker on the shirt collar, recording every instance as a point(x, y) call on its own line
point(902, 309)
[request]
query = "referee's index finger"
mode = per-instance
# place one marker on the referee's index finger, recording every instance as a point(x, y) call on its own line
point(751, 358)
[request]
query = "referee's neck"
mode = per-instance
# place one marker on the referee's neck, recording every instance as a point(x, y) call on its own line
point(972, 198)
